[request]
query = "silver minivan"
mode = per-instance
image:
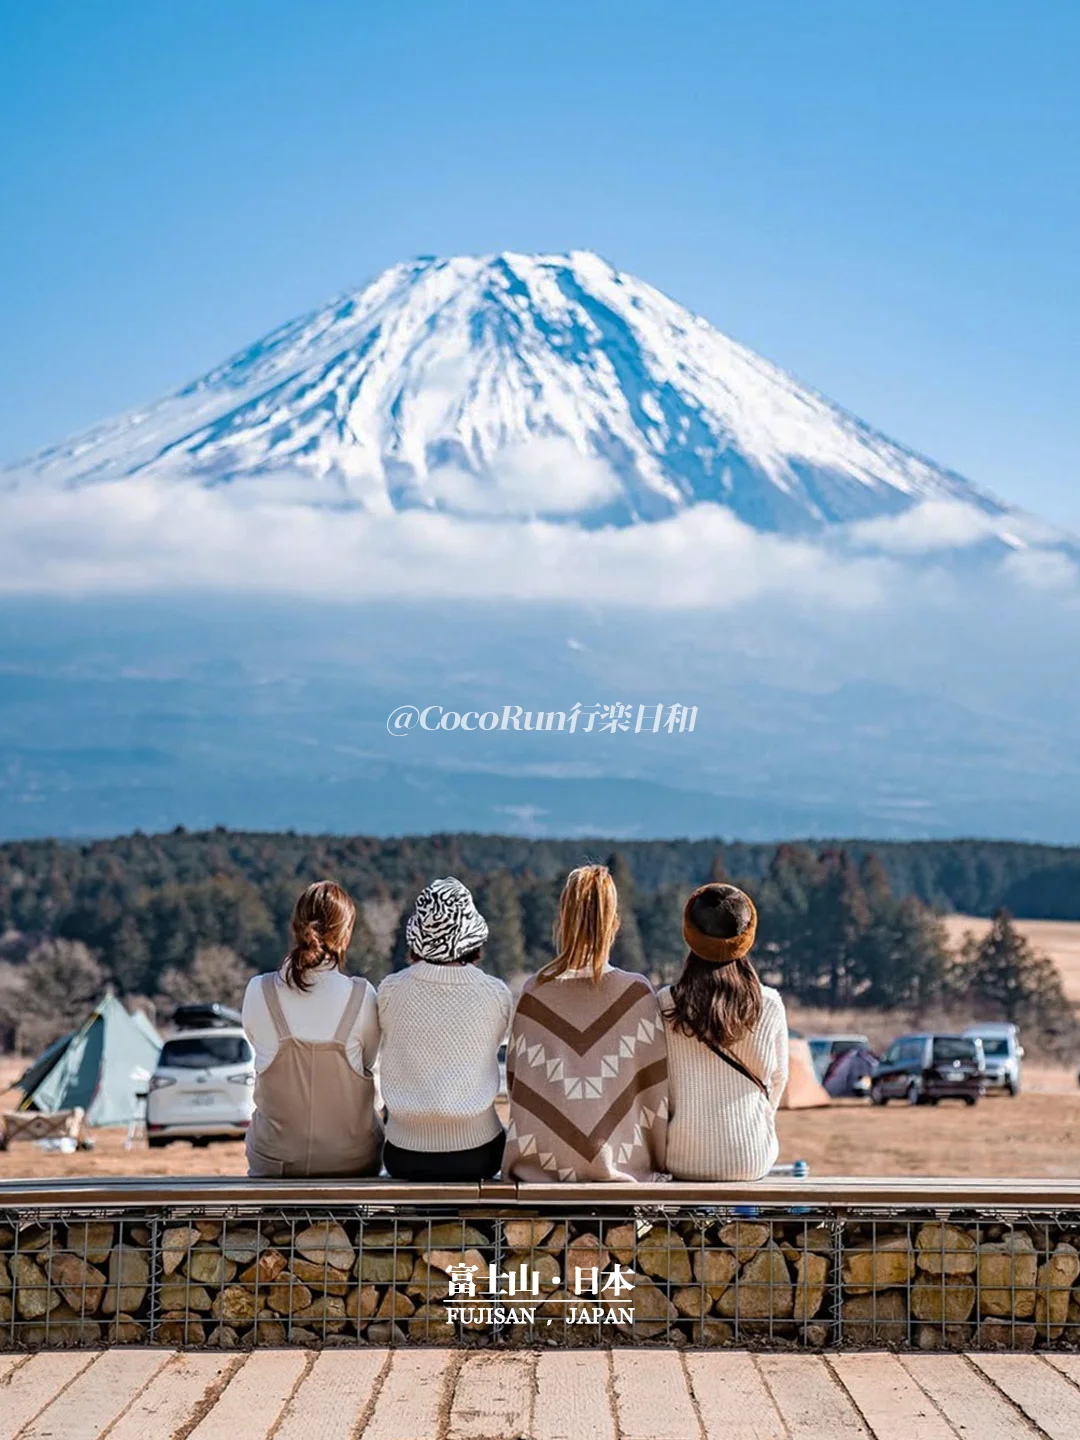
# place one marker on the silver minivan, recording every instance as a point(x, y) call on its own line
point(1003, 1052)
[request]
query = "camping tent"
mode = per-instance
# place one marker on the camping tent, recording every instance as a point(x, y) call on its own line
point(803, 1092)
point(101, 1067)
point(850, 1072)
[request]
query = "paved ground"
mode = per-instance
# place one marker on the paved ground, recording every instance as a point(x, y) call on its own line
point(557, 1395)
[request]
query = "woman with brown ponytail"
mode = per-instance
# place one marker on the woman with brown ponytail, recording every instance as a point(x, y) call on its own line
point(727, 1046)
point(587, 1061)
point(315, 1031)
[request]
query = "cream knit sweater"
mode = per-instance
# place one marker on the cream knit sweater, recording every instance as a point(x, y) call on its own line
point(442, 1026)
point(720, 1126)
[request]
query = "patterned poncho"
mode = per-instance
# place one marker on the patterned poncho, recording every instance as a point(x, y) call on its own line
point(587, 1075)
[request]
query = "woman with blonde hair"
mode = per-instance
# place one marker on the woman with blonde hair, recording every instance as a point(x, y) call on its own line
point(727, 1046)
point(315, 1032)
point(587, 1059)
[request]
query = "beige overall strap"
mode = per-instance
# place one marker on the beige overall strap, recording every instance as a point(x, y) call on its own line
point(349, 1014)
point(273, 1004)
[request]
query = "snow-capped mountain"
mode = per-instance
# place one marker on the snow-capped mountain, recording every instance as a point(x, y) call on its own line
point(548, 386)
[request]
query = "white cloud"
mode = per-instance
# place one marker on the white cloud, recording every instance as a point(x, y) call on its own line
point(931, 526)
point(545, 477)
point(1048, 570)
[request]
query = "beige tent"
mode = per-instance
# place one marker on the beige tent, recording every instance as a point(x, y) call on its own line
point(803, 1091)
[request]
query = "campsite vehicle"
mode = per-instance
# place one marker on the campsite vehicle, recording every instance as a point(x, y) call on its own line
point(825, 1048)
point(199, 1016)
point(923, 1069)
point(202, 1089)
point(1003, 1054)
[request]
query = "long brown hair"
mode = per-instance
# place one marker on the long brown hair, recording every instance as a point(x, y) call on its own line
point(587, 923)
point(718, 1003)
point(322, 926)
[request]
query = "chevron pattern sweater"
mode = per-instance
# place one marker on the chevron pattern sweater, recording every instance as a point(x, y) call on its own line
point(587, 1076)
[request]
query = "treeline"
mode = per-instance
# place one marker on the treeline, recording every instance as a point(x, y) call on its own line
point(183, 915)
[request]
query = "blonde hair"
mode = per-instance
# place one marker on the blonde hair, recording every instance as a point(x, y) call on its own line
point(587, 924)
point(322, 926)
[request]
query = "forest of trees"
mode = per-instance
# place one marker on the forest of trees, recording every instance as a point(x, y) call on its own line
point(191, 916)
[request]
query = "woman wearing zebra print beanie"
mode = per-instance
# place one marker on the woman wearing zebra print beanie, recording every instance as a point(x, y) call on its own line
point(442, 1023)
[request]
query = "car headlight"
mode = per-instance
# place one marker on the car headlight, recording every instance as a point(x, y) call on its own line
point(247, 1078)
point(159, 1082)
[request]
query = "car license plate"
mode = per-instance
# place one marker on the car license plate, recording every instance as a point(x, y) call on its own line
point(201, 1100)
point(954, 1075)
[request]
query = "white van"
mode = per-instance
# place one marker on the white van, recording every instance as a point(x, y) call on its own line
point(202, 1089)
point(1003, 1052)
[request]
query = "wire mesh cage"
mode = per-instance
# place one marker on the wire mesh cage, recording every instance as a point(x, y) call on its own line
point(710, 1276)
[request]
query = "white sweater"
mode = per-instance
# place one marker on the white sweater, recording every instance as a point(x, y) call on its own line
point(720, 1126)
point(313, 1015)
point(442, 1026)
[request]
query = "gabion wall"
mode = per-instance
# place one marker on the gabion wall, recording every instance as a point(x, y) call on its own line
point(351, 1277)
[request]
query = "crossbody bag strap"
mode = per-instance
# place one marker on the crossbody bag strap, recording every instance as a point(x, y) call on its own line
point(737, 1065)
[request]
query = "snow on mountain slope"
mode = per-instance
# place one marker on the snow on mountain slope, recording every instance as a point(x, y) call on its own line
point(513, 386)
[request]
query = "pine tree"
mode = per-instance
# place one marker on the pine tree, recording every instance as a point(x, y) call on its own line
point(539, 911)
point(628, 953)
point(1006, 975)
point(504, 952)
point(660, 924)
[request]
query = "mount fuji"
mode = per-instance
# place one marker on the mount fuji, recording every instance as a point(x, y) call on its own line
point(535, 481)
point(533, 387)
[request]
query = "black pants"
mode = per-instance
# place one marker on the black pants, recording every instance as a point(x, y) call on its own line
point(480, 1163)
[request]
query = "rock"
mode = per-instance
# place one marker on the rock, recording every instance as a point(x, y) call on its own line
point(620, 1240)
point(556, 1241)
point(224, 1337)
point(269, 1332)
point(1007, 1273)
point(692, 1301)
point(32, 1237)
point(63, 1327)
point(91, 1240)
point(244, 1243)
point(324, 1311)
point(943, 1298)
point(81, 1284)
point(585, 1253)
point(887, 1263)
point(363, 1303)
point(943, 1337)
point(945, 1250)
point(235, 1305)
point(446, 1260)
point(709, 1332)
point(209, 1267)
point(653, 1311)
point(875, 1318)
point(5, 1314)
point(287, 1299)
point(179, 1328)
point(34, 1296)
point(320, 1277)
point(432, 1284)
point(818, 1238)
point(179, 1296)
point(386, 1237)
point(129, 1277)
point(450, 1235)
point(302, 1335)
point(763, 1289)
point(663, 1255)
point(209, 1229)
point(385, 1332)
point(5, 1275)
point(525, 1234)
point(429, 1324)
point(326, 1243)
point(744, 1238)
point(811, 1273)
point(715, 1269)
point(996, 1334)
point(383, 1267)
point(266, 1269)
point(126, 1330)
point(138, 1236)
point(815, 1337)
point(1053, 1284)
point(176, 1241)
point(395, 1306)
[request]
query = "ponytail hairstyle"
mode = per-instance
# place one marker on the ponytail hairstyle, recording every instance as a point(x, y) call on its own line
point(717, 998)
point(587, 924)
point(322, 926)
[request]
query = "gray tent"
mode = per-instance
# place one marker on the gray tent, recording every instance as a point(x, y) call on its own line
point(100, 1067)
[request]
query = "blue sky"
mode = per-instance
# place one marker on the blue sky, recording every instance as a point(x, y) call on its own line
point(884, 198)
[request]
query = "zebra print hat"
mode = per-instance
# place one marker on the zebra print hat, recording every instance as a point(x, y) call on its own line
point(445, 923)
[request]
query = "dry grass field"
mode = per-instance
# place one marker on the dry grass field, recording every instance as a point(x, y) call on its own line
point(1037, 1134)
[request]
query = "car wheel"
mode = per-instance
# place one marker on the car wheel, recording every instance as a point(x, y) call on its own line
point(970, 1099)
point(1011, 1088)
point(877, 1095)
point(913, 1095)
point(201, 1142)
point(156, 1142)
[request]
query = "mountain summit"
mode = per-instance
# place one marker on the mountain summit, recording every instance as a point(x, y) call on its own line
point(530, 386)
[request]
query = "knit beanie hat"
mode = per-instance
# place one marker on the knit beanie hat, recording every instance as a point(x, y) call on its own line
point(709, 917)
point(445, 923)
